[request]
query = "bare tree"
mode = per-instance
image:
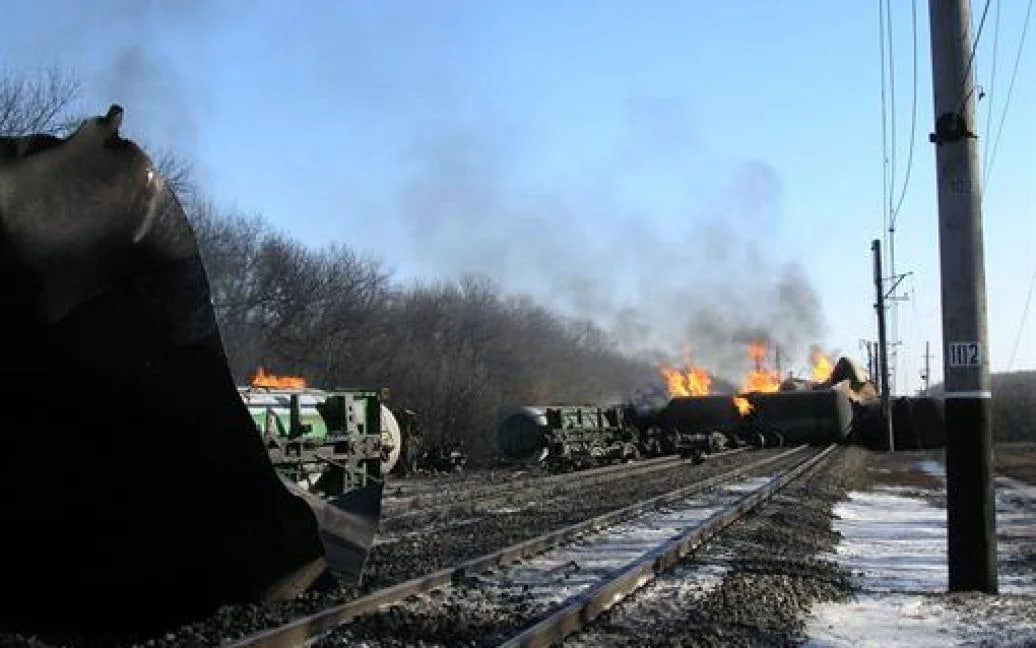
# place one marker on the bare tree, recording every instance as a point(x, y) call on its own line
point(178, 174)
point(41, 104)
point(455, 351)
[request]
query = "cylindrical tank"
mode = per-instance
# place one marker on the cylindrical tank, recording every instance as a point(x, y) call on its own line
point(521, 434)
point(820, 416)
point(391, 440)
point(261, 400)
point(700, 414)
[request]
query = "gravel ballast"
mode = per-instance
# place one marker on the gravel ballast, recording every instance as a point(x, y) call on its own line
point(488, 608)
point(420, 553)
point(760, 583)
point(751, 586)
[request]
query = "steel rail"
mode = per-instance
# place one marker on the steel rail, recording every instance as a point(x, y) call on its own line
point(412, 494)
point(506, 493)
point(580, 610)
point(309, 628)
point(422, 499)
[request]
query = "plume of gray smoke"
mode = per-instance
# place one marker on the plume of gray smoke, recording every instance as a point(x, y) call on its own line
point(123, 53)
point(709, 279)
point(142, 79)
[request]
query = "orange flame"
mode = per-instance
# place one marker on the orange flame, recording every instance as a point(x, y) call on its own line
point(263, 379)
point(757, 352)
point(822, 366)
point(762, 380)
point(759, 379)
point(744, 408)
point(692, 382)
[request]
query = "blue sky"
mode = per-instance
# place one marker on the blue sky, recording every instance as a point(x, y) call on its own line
point(632, 162)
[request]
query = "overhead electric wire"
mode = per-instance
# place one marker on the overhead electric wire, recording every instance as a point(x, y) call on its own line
point(913, 117)
point(890, 204)
point(1007, 100)
point(990, 94)
point(884, 124)
point(964, 92)
point(892, 121)
point(1021, 325)
point(989, 170)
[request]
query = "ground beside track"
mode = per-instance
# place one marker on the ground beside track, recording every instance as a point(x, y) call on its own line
point(855, 556)
point(459, 481)
point(894, 540)
point(486, 608)
point(1017, 460)
point(770, 588)
point(751, 585)
point(420, 553)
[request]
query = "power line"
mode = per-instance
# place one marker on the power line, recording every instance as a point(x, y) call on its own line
point(884, 120)
point(964, 92)
point(892, 111)
point(990, 94)
point(1021, 325)
point(913, 116)
point(886, 182)
point(1007, 101)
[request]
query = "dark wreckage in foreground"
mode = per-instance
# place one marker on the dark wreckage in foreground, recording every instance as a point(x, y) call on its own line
point(136, 490)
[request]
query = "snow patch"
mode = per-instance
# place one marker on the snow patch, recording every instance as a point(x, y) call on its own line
point(894, 541)
point(921, 621)
point(932, 467)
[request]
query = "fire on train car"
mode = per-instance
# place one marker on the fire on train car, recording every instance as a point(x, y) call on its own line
point(578, 436)
point(816, 416)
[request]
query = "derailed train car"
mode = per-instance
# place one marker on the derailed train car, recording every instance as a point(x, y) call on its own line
point(816, 416)
point(715, 417)
point(578, 436)
point(563, 437)
point(291, 420)
point(917, 423)
point(568, 436)
point(167, 506)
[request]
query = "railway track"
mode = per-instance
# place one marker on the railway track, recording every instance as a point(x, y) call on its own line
point(402, 511)
point(579, 563)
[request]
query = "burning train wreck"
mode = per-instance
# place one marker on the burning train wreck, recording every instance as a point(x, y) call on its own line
point(838, 404)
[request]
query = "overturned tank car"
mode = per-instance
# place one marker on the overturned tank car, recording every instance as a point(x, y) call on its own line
point(581, 436)
point(567, 436)
point(815, 413)
point(342, 420)
point(137, 493)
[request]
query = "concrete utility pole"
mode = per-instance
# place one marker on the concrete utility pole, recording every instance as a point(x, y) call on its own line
point(969, 485)
point(883, 358)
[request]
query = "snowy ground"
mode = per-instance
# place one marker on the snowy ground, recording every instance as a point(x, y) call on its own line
point(894, 541)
